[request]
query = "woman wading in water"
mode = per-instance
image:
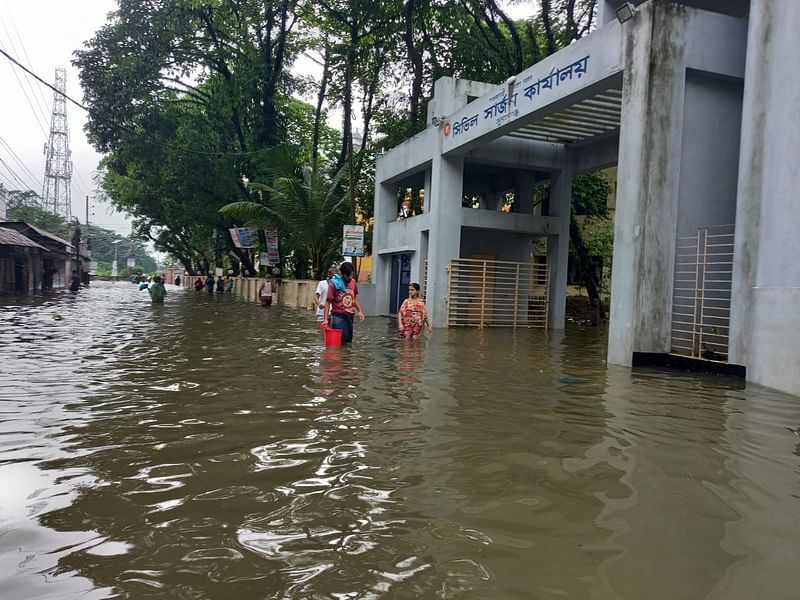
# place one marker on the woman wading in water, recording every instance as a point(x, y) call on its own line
point(412, 316)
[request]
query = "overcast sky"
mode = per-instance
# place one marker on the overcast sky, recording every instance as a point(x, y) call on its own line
point(42, 34)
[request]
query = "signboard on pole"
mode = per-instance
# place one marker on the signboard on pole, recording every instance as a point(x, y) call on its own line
point(273, 256)
point(263, 259)
point(353, 240)
point(114, 269)
point(131, 262)
point(243, 237)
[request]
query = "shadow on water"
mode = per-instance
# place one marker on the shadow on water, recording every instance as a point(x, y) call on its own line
point(211, 448)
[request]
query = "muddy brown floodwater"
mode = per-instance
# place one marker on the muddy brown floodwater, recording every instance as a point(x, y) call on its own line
point(213, 449)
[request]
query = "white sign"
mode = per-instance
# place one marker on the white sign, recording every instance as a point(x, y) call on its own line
point(218, 271)
point(353, 240)
point(131, 262)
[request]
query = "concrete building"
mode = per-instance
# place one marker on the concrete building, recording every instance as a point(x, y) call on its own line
point(695, 102)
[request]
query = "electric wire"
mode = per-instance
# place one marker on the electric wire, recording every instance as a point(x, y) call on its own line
point(131, 129)
point(28, 100)
point(38, 90)
point(19, 161)
point(15, 176)
point(39, 110)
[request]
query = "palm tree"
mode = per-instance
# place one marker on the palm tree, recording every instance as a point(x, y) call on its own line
point(303, 204)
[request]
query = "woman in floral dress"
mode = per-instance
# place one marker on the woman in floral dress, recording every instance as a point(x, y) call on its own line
point(412, 316)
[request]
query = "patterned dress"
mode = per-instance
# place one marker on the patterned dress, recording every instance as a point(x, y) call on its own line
point(412, 316)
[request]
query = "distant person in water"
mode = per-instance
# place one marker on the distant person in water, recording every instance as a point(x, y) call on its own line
point(220, 284)
point(178, 280)
point(342, 303)
point(74, 282)
point(412, 316)
point(198, 284)
point(265, 291)
point(210, 284)
point(157, 290)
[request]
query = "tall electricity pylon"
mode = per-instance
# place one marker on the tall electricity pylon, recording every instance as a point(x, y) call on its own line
point(56, 194)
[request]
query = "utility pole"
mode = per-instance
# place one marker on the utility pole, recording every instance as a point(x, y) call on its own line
point(88, 244)
point(56, 192)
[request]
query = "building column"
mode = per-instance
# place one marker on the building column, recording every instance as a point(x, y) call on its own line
point(447, 191)
point(647, 183)
point(766, 273)
point(385, 210)
point(558, 246)
point(524, 184)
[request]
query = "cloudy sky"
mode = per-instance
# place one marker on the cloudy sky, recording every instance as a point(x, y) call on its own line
point(42, 34)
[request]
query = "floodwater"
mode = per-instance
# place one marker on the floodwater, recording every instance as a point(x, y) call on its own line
point(210, 448)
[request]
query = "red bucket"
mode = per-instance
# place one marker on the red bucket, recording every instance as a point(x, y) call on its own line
point(333, 337)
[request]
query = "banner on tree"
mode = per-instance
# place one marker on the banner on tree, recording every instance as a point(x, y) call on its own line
point(243, 237)
point(273, 256)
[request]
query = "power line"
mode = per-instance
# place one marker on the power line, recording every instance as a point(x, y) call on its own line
point(14, 155)
point(126, 128)
point(28, 100)
point(15, 176)
point(38, 97)
point(41, 101)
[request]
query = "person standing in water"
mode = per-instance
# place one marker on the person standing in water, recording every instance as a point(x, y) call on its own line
point(412, 316)
point(342, 302)
point(157, 290)
point(265, 291)
point(321, 296)
point(74, 282)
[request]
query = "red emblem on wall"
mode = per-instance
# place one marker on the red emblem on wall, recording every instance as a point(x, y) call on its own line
point(446, 128)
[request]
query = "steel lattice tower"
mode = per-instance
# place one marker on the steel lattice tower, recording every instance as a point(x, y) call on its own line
point(58, 166)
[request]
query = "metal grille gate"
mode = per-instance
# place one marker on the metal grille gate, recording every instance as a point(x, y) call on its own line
point(701, 302)
point(492, 293)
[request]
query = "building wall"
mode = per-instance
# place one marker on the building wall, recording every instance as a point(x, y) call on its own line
point(765, 318)
point(500, 244)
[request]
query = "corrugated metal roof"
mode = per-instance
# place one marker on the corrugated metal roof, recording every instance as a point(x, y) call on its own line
point(9, 237)
point(22, 226)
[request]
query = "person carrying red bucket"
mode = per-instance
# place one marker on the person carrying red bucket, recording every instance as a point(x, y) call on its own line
point(341, 306)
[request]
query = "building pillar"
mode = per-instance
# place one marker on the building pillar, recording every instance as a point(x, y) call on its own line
point(385, 211)
point(766, 273)
point(524, 184)
point(647, 182)
point(558, 246)
point(447, 191)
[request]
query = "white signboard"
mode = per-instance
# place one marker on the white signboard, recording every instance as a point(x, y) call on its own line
point(131, 262)
point(353, 240)
point(574, 68)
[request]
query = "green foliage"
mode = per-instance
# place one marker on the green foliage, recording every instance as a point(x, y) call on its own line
point(303, 204)
point(590, 194)
point(52, 223)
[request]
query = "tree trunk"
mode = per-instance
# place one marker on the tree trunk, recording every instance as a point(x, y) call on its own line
point(586, 268)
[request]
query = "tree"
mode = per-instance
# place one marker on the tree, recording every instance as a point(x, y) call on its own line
point(38, 217)
point(304, 205)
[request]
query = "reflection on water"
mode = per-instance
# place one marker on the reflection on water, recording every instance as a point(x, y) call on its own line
point(209, 448)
